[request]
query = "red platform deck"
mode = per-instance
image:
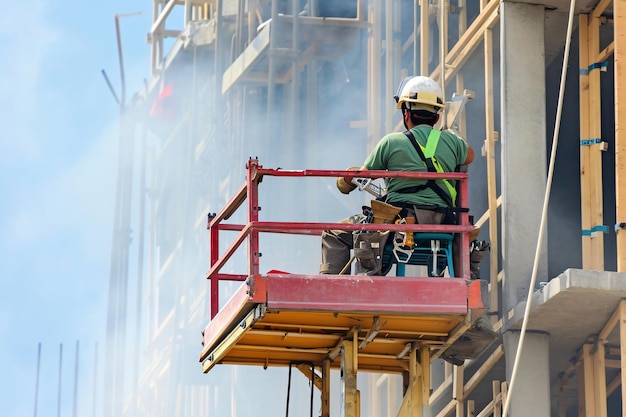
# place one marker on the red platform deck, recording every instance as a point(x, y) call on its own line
point(277, 319)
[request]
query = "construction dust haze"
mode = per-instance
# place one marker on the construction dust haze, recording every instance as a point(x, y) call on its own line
point(315, 96)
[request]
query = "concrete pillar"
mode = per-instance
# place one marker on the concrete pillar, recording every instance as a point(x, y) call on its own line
point(531, 389)
point(523, 161)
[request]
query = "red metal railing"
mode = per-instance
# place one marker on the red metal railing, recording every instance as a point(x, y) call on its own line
point(249, 191)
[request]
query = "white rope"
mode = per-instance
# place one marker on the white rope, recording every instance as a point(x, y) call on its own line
point(555, 140)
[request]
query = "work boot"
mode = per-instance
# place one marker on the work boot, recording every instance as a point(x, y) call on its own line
point(478, 249)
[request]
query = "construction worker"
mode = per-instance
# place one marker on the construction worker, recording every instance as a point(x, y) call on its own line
point(428, 202)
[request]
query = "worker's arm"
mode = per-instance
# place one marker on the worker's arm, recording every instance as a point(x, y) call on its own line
point(344, 184)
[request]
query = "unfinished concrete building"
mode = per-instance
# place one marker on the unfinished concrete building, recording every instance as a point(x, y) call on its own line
point(240, 87)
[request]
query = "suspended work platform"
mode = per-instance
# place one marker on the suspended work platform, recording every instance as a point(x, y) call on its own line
point(384, 324)
point(278, 319)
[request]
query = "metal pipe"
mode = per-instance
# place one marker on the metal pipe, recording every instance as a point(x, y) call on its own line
point(95, 384)
point(37, 377)
point(74, 411)
point(60, 380)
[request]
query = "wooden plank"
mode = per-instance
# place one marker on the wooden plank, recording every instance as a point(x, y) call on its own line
point(583, 29)
point(606, 53)
point(457, 389)
point(610, 325)
point(492, 192)
point(443, 40)
point(443, 387)
point(581, 389)
point(471, 408)
point(470, 39)
point(411, 403)
point(600, 380)
point(596, 150)
point(425, 366)
point(325, 394)
point(489, 363)
point(466, 50)
point(622, 340)
point(448, 409)
point(619, 26)
point(589, 381)
point(497, 399)
point(348, 379)
point(460, 81)
point(600, 7)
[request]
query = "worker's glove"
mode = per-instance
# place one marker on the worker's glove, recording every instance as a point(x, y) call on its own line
point(345, 184)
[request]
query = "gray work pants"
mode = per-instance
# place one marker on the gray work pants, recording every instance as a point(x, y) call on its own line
point(336, 244)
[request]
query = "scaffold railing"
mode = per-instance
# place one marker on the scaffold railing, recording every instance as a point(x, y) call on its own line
point(249, 232)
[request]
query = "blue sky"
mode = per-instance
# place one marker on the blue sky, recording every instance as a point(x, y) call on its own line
point(58, 162)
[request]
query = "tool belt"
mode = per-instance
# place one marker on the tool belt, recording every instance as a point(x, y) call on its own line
point(368, 251)
point(369, 246)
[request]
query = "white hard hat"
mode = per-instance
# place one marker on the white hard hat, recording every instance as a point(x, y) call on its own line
point(419, 93)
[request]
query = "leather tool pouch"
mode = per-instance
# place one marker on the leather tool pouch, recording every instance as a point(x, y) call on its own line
point(368, 250)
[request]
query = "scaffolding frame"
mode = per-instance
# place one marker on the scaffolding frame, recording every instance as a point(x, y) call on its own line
point(480, 30)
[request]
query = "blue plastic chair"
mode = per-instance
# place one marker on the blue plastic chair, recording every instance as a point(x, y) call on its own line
point(433, 250)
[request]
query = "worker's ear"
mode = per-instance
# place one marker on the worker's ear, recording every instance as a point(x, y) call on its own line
point(437, 118)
